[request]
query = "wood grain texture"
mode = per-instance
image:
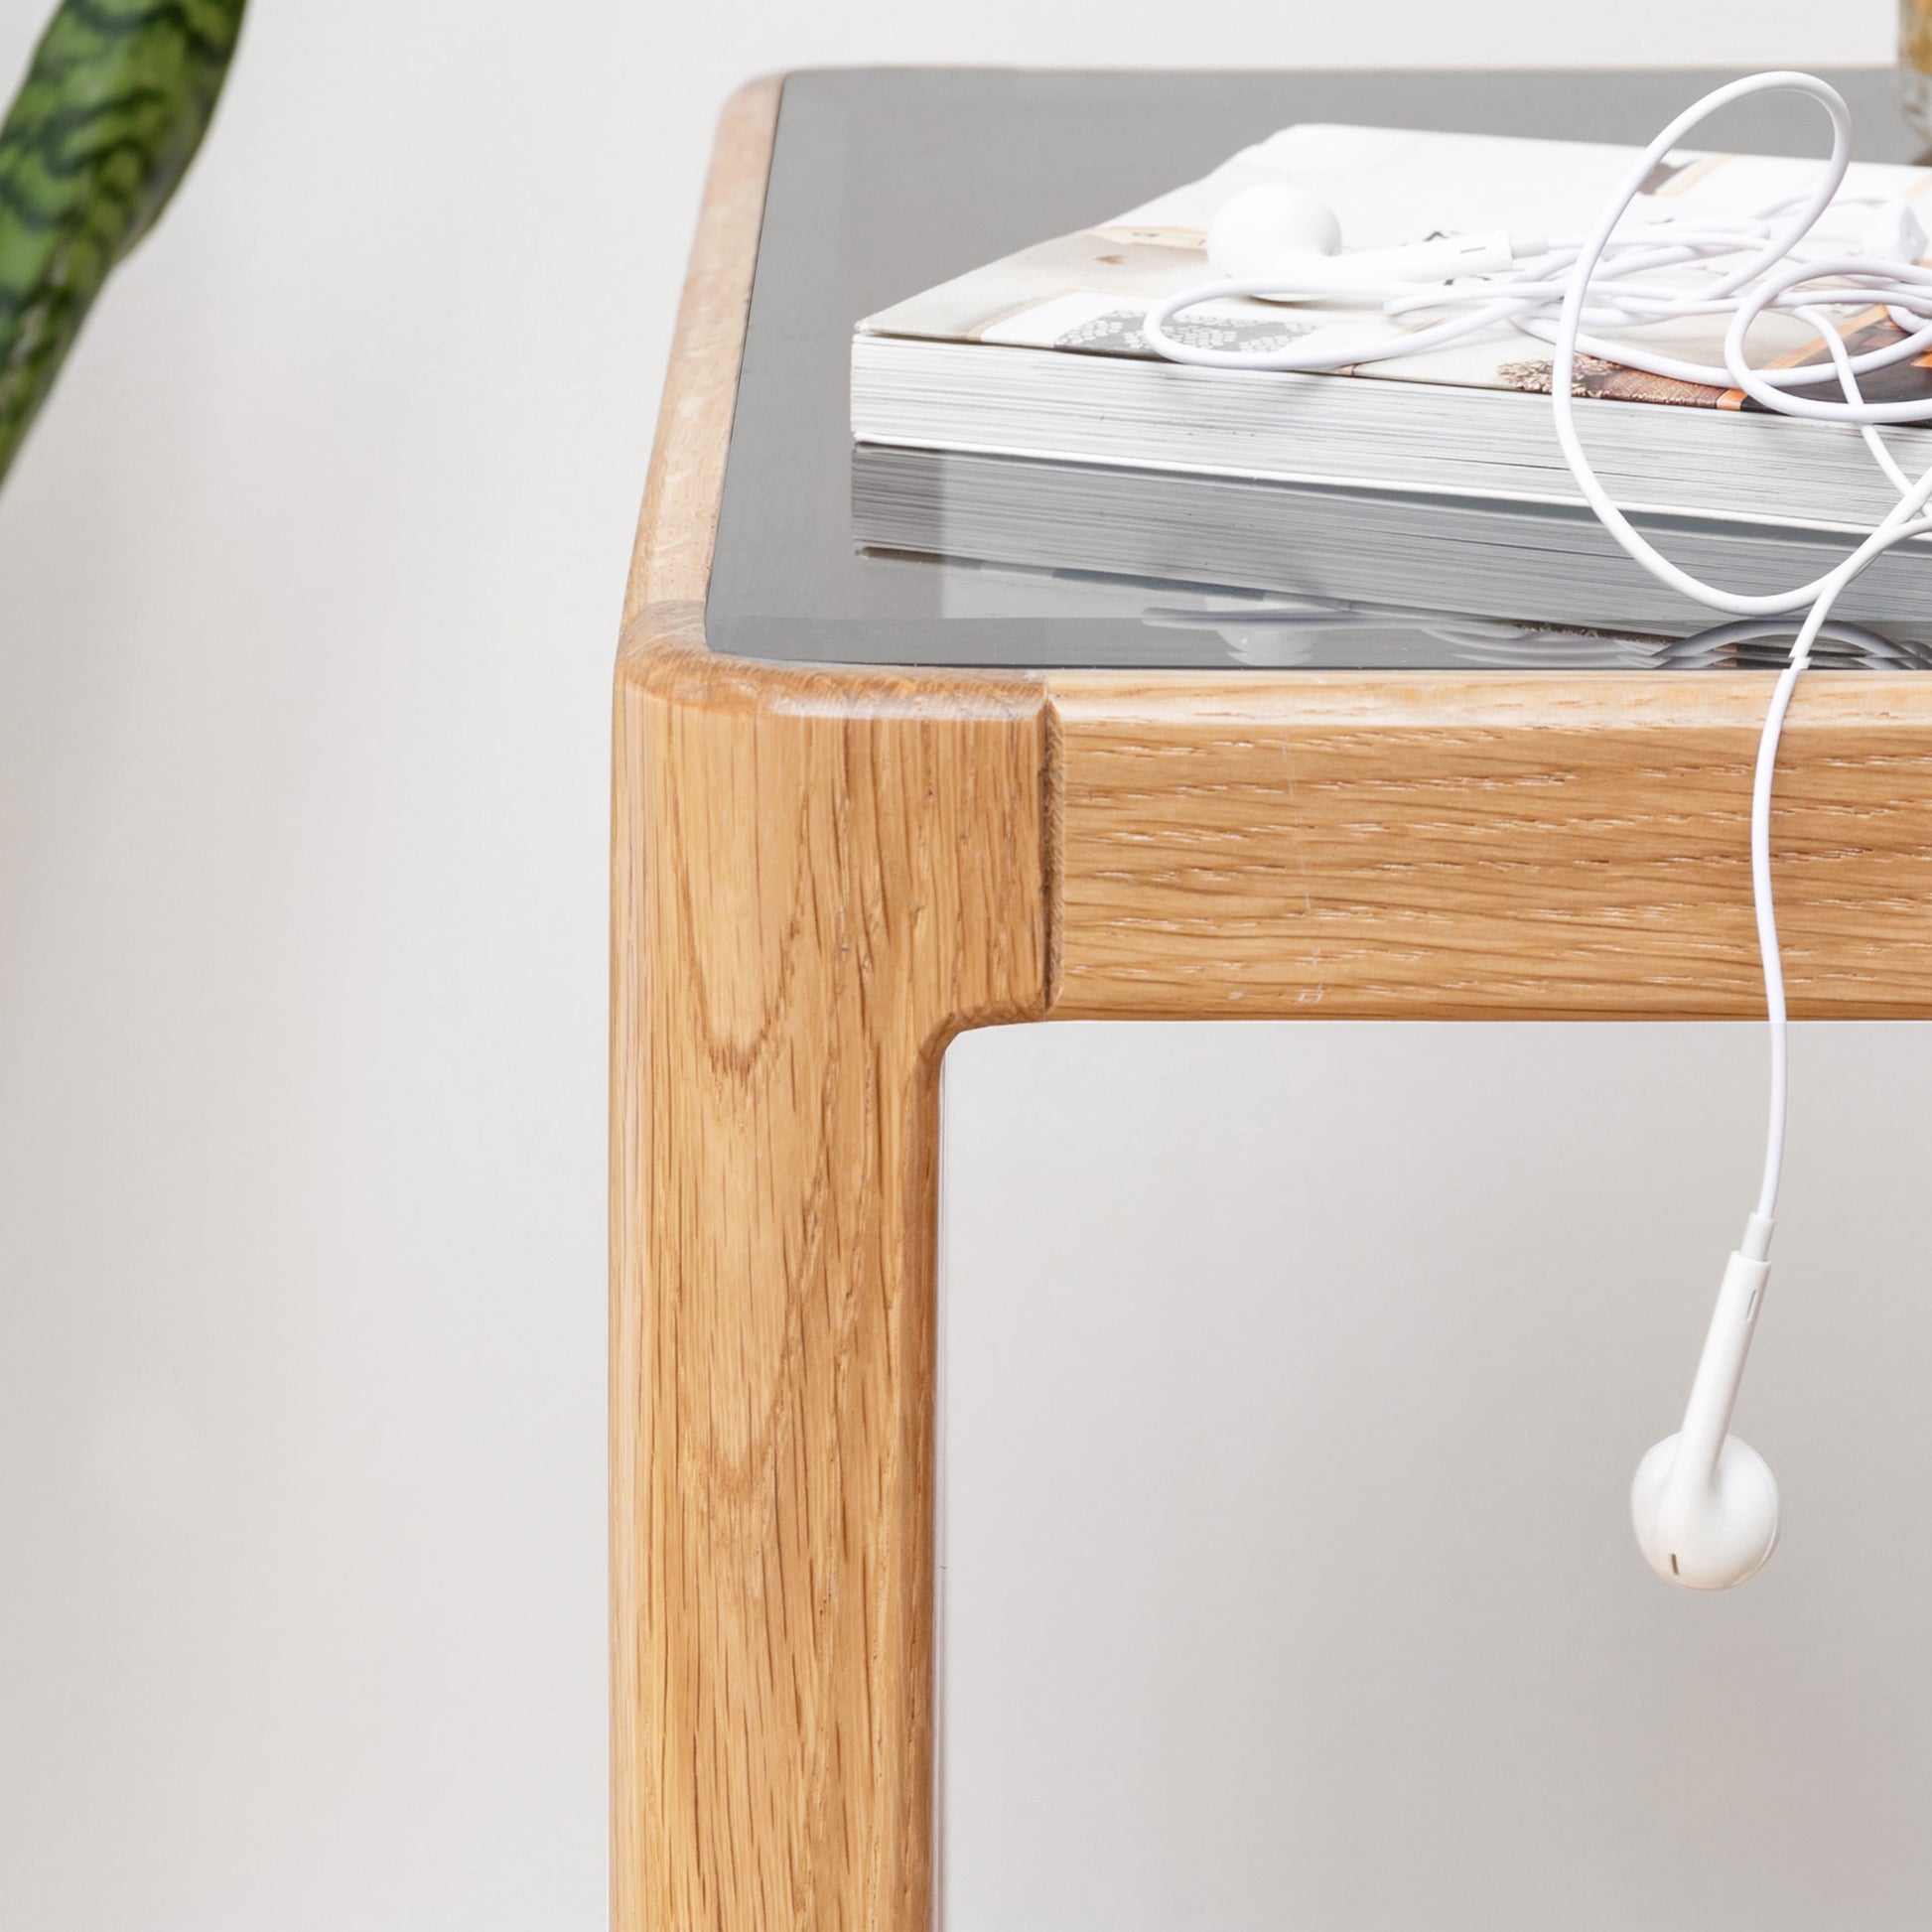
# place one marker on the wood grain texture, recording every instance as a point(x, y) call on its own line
point(817, 899)
point(670, 566)
point(664, 612)
point(1486, 846)
point(818, 878)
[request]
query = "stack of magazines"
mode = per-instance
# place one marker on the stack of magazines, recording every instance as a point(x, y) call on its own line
point(1016, 417)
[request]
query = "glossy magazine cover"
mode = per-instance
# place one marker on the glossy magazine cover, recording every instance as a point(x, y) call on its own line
point(1087, 293)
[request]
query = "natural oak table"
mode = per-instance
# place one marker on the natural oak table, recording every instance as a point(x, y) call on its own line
point(864, 803)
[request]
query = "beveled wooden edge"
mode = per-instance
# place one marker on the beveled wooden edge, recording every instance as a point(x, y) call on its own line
point(661, 645)
point(677, 524)
point(1490, 699)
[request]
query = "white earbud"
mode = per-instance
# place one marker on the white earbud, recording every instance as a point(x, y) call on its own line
point(1262, 227)
point(1706, 1505)
point(1273, 229)
point(1891, 231)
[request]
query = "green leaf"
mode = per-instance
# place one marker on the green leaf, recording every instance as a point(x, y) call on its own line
point(110, 114)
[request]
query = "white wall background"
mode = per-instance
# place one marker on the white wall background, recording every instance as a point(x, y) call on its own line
point(308, 583)
point(1296, 1375)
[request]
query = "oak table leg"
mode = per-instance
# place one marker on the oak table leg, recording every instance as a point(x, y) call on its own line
point(811, 898)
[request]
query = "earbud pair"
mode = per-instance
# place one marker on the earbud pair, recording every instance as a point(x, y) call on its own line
point(1275, 229)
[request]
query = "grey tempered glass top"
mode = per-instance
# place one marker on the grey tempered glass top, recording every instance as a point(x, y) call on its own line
point(884, 181)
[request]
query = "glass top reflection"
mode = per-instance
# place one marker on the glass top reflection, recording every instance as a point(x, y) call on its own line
point(883, 182)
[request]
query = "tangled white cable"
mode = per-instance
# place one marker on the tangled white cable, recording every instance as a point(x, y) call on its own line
point(1609, 280)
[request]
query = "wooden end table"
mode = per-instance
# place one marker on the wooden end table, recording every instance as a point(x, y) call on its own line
point(848, 825)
